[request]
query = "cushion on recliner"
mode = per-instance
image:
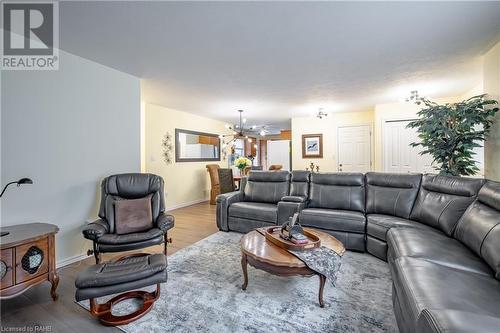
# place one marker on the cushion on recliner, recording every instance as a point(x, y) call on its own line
point(345, 191)
point(378, 225)
point(433, 245)
point(442, 200)
point(391, 193)
point(299, 186)
point(479, 227)
point(255, 211)
point(115, 239)
point(421, 284)
point(133, 215)
point(267, 186)
point(333, 219)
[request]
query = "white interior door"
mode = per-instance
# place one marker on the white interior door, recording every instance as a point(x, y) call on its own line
point(354, 148)
point(399, 156)
point(278, 152)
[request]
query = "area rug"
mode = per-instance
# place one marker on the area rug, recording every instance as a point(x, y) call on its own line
point(203, 294)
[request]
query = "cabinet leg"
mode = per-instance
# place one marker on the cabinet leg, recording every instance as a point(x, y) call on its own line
point(54, 280)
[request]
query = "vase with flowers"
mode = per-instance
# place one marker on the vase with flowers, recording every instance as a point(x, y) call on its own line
point(241, 163)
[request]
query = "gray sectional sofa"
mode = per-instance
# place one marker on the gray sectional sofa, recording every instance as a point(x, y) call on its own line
point(440, 235)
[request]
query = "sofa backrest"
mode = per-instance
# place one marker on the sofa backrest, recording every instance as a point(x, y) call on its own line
point(442, 200)
point(300, 183)
point(479, 227)
point(391, 193)
point(338, 191)
point(267, 186)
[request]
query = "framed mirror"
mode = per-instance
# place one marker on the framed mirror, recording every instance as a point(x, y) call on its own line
point(192, 146)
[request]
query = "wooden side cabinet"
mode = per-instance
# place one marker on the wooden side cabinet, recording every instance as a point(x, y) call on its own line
point(27, 258)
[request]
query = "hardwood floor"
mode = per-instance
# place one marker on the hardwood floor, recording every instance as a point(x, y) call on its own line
point(35, 309)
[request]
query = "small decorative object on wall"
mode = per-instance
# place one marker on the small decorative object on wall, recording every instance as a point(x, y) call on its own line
point(312, 146)
point(313, 167)
point(241, 163)
point(167, 148)
point(224, 153)
point(450, 132)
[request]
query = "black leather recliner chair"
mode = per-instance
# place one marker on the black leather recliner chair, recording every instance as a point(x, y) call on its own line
point(129, 186)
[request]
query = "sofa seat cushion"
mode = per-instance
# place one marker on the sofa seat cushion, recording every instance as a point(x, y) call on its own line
point(378, 225)
point(421, 284)
point(259, 211)
point(115, 239)
point(434, 246)
point(333, 219)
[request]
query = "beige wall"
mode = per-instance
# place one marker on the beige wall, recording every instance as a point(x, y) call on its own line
point(328, 127)
point(491, 84)
point(185, 182)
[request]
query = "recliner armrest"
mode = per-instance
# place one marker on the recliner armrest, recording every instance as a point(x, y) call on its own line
point(95, 229)
point(294, 198)
point(222, 212)
point(165, 222)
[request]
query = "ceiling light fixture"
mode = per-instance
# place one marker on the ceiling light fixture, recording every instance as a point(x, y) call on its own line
point(321, 114)
point(240, 131)
point(415, 97)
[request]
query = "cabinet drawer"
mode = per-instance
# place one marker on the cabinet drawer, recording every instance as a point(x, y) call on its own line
point(6, 258)
point(32, 260)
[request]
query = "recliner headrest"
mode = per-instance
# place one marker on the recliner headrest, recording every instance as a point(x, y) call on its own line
point(489, 194)
point(269, 176)
point(300, 176)
point(338, 178)
point(403, 180)
point(462, 186)
point(132, 185)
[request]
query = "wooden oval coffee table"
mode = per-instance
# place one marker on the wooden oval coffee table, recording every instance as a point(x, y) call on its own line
point(264, 255)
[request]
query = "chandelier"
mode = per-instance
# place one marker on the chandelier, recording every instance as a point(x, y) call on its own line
point(241, 131)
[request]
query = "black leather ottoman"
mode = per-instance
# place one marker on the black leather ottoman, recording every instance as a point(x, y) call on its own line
point(127, 273)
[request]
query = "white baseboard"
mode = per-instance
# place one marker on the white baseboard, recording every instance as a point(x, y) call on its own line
point(186, 204)
point(71, 260)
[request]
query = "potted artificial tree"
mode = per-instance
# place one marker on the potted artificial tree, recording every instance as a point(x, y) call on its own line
point(450, 132)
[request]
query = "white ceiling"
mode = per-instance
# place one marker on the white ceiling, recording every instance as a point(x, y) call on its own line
point(276, 60)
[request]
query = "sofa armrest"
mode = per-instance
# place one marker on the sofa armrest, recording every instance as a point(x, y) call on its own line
point(222, 212)
point(165, 222)
point(286, 209)
point(449, 320)
point(294, 198)
point(95, 229)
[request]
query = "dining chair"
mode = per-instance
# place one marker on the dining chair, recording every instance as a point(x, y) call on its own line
point(214, 181)
point(226, 180)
